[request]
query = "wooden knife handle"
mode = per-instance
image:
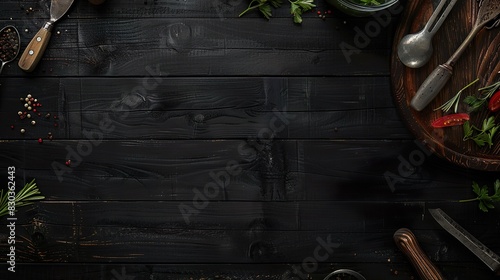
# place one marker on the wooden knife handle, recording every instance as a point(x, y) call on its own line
point(407, 243)
point(35, 49)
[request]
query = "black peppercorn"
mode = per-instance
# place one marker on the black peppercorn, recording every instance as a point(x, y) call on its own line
point(9, 44)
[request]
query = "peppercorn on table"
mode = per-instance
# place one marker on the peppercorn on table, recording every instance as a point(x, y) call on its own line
point(167, 139)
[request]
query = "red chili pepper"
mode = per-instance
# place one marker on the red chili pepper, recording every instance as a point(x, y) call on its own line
point(494, 104)
point(450, 120)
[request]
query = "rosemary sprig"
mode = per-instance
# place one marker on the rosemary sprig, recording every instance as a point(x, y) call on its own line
point(26, 196)
point(455, 100)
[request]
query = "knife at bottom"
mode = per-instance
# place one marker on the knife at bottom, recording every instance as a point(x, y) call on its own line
point(491, 259)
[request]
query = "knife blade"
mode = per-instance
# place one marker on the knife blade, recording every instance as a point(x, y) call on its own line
point(35, 49)
point(491, 259)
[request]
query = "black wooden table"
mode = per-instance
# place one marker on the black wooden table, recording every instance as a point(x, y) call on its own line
point(190, 143)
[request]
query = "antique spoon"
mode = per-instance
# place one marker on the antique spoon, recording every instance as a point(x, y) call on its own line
point(9, 45)
point(435, 82)
point(415, 50)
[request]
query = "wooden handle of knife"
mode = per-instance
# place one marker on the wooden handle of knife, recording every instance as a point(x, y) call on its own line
point(35, 49)
point(407, 243)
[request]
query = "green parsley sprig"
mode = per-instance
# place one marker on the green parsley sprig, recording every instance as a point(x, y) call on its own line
point(297, 8)
point(264, 7)
point(26, 196)
point(481, 136)
point(485, 200)
point(455, 100)
point(476, 102)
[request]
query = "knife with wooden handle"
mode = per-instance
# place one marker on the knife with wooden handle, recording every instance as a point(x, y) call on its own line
point(408, 244)
point(35, 49)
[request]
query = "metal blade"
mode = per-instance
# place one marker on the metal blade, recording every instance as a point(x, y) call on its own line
point(491, 259)
point(58, 8)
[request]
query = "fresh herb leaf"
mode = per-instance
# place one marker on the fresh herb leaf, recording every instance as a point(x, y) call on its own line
point(476, 102)
point(266, 11)
point(455, 100)
point(468, 131)
point(298, 7)
point(264, 7)
point(486, 201)
point(481, 136)
point(276, 3)
point(25, 196)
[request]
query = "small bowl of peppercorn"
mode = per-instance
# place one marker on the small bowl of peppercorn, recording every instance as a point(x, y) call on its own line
point(9, 45)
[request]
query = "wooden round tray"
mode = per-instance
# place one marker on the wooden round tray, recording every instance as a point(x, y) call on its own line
point(481, 60)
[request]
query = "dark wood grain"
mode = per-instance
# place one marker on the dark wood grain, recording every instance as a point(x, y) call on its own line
point(188, 87)
point(480, 60)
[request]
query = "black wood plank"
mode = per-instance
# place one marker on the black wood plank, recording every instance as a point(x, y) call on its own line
point(99, 231)
point(120, 9)
point(243, 170)
point(125, 48)
point(146, 271)
point(181, 108)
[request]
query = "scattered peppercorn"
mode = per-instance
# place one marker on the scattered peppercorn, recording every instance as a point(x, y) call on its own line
point(40, 140)
point(68, 162)
point(22, 130)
